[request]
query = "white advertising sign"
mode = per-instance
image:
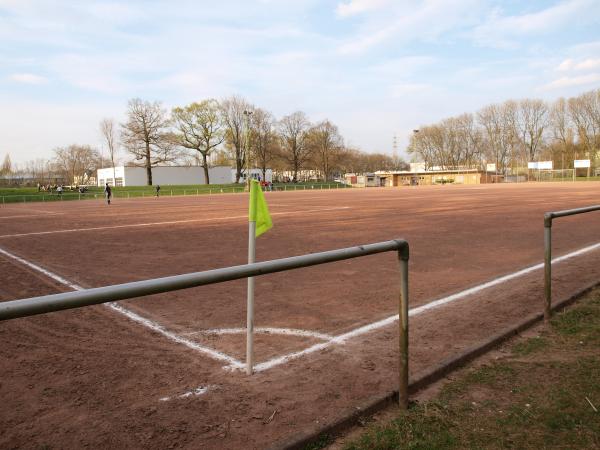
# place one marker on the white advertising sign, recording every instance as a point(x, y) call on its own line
point(540, 165)
point(491, 167)
point(580, 163)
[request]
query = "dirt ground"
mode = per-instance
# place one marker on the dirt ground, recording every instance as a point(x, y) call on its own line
point(92, 377)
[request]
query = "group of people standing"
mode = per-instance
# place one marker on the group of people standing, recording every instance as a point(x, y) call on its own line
point(108, 192)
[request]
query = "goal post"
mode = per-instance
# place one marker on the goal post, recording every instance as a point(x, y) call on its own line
point(553, 175)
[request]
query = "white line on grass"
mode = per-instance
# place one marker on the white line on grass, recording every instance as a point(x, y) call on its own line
point(233, 363)
point(413, 312)
point(170, 222)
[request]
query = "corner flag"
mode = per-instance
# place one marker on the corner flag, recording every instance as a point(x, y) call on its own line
point(259, 211)
point(259, 221)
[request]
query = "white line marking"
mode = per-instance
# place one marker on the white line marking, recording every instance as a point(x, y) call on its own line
point(413, 312)
point(195, 392)
point(51, 213)
point(233, 363)
point(266, 330)
point(340, 339)
point(171, 222)
point(27, 216)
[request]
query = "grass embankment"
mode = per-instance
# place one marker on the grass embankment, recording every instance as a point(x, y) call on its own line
point(545, 393)
point(31, 194)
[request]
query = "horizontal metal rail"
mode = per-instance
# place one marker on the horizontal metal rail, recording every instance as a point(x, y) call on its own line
point(68, 300)
point(548, 218)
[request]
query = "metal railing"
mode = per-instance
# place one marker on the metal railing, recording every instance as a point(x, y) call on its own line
point(68, 300)
point(548, 217)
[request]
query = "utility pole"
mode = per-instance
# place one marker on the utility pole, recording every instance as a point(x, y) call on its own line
point(247, 114)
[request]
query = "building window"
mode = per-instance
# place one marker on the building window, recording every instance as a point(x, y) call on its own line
point(118, 181)
point(101, 182)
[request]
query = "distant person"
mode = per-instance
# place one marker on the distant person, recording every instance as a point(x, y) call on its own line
point(157, 190)
point(108, 193)
point(59, 190)
point(39, 186)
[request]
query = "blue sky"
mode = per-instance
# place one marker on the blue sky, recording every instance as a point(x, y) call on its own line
point(376, 68)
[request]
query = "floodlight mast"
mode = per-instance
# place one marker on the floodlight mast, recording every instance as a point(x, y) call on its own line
point(247, 114)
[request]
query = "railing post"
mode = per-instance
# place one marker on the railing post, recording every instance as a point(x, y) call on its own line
point(547, 266)
point(403, 255)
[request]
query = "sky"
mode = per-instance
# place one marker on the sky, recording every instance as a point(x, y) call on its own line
point(375, 68)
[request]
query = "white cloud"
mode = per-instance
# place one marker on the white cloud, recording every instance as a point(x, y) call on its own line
point(403, 89)
point(28, 78)
point(581, 80)
point(503, 31)
point(587, 64)
point(566, 65)
point(401, 22)
point(354, 7)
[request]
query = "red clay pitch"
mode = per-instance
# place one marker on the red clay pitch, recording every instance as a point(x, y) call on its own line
point(94, 377)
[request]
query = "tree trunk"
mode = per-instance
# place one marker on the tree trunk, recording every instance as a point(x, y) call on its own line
point(148, 165)
point(205, 166)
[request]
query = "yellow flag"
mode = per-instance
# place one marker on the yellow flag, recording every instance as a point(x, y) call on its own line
point(259, 211)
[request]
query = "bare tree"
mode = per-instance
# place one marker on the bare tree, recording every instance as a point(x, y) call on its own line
point(235, 120)
point(562, 130)
point(263, 139)
point(145, 135)
point(76, 162)
point(325, 143)
point(6, 168)
point(499, 132)
point(585, 114)
point(200, 128)
point(108, 130)
point(533, 120)
point(292, 132)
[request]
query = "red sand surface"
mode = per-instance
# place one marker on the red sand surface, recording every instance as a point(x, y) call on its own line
point(92, 377)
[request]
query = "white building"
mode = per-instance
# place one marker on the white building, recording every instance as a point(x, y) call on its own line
point(254, 173)
point(165, 175)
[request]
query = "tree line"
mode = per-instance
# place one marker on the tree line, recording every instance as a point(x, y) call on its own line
point(237, 133)
point(230, 132)
point(514, 132)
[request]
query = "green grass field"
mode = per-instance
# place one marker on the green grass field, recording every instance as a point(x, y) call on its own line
point(31, 194)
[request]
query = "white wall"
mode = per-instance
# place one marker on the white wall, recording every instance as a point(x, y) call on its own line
point(173, 175)
point(220, 175)
point(166, 175)
point(135, 176)
point(108, 175)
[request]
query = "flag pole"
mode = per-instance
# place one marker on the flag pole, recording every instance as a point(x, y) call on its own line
point(250, 301)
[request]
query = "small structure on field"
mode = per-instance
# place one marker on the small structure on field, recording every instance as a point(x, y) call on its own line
point(383, 178)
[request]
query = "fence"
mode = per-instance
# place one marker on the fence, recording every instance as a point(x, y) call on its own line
point(548, 217)
point(57, 302)
point(50, 197)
